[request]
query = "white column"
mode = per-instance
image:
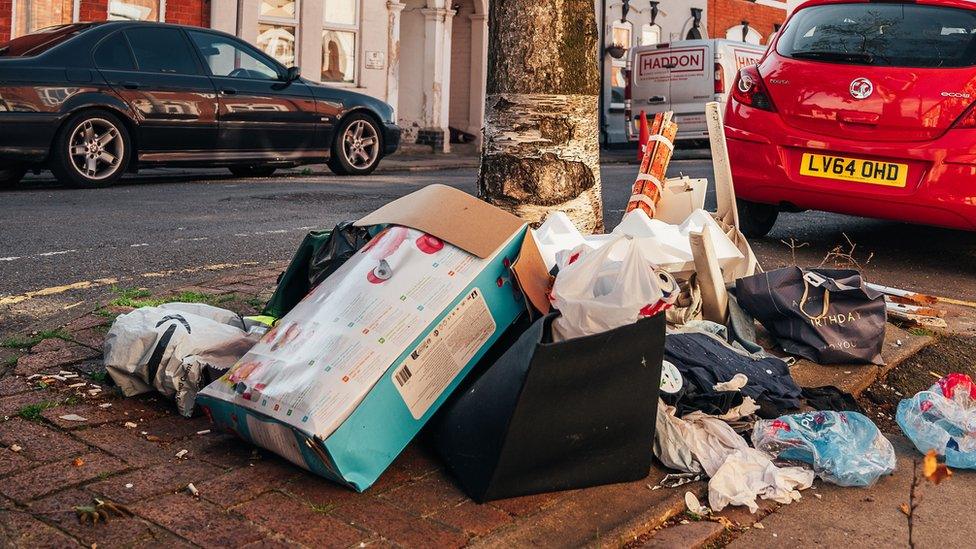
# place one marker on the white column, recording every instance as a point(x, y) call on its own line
point(309, 46)
point(437, 74)
point(249, 20)
point(393, 55)
point(223, 15)
point(479, 74)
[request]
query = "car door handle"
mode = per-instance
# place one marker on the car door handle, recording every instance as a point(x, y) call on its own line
point(228, 91)
point(129, 85)
point(657, 99)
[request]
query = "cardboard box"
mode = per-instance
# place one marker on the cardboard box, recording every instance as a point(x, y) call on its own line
point(351, 374)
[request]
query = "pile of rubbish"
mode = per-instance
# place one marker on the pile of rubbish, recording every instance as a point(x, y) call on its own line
point(545, 359)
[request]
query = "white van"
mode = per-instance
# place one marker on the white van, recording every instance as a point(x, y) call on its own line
point(682, 77)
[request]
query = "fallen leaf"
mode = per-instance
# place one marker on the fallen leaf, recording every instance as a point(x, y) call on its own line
point(934, 471)
point(905, 509)
point(78, 462)
point(725, 522)
point(16, 447)
point(759, 526)
point(152, 438)
point(73, 417)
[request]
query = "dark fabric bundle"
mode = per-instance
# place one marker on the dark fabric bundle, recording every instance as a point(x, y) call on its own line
point(704, 360)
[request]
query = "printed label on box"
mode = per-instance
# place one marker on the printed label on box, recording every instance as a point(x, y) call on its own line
point(447, 349)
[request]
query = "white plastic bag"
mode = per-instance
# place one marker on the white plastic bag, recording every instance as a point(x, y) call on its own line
point(604, 289)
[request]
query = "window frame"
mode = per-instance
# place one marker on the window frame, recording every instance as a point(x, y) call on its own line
point(648, 27)
point(240, 44)
point(75, 13)
point(621, 63)
point(284, 22)
point(161, 10)
point(355, 29)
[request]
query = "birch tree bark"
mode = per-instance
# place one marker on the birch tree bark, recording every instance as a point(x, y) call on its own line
point(541, 137)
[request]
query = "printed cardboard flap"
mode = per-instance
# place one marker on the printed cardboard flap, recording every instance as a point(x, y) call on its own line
point(452, 215)
point(471, 224)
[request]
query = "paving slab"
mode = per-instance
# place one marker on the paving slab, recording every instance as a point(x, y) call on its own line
point(843, 517)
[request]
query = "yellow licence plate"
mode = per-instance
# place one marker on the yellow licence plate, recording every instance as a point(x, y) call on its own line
point(873, 172)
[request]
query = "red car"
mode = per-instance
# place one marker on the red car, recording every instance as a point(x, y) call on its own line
point(862, 108)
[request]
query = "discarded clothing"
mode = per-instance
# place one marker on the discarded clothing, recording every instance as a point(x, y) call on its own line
point(695, 442)
point(829, 397)
point(705, 360)
point(748, 474)
point(176, 349)
point(943, 419)
point(845, 448)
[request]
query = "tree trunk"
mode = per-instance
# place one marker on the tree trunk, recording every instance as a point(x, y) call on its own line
point(541, 138)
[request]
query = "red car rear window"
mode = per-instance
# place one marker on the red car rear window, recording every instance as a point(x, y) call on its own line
point(882, 34)
point(40, 41)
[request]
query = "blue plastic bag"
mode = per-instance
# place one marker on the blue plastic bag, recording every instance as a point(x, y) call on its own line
point(845, 448)
point(943, 419)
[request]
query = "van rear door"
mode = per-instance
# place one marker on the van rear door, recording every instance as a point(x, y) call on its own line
point(676, 77)
point(650, 87)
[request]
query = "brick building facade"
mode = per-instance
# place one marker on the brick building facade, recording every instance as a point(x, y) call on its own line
point(760, 19)
point(19, 17)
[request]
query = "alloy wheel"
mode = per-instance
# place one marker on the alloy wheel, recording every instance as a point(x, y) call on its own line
point(96, 148)
point(360, 144)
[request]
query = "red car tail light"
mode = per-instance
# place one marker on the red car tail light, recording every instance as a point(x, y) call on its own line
point(719, 78)
point(749, 89)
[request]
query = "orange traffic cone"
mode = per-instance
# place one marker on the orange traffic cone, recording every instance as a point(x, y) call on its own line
point(645, 136)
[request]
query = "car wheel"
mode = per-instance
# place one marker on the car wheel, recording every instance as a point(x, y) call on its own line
point(357, 147)
point(252, 171)
point(10, 176)
point(91, 150)
point(755, 219)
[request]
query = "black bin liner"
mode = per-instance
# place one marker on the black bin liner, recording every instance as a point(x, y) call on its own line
point(556, 416)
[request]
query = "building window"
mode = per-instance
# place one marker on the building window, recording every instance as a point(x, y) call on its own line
point(340, 33)
point(621, 34)
point(136, 10)
point(32, 15)
point(650, 35)
point(751, 35)
point(277, 30)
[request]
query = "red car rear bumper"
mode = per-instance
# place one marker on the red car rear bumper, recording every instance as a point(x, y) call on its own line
point(765, 155)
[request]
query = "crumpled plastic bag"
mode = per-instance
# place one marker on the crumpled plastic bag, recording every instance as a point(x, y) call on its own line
point(606, 288)
point(845, 448)
point(748, 474)
point(943, 419)
point(694, 443)
point(176, 349)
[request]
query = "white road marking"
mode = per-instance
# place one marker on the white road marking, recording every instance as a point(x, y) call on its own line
point(11, 258)
point(62, 252)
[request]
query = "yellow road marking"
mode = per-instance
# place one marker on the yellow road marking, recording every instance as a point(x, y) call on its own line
point(87, 284)
point(957, 302)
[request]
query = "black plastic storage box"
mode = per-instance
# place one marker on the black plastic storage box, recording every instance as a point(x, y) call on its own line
point(556, 416)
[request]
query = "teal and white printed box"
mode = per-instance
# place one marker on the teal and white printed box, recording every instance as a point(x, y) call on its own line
point(346, 379)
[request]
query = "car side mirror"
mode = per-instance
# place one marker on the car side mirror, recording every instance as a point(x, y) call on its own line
point(294, 73)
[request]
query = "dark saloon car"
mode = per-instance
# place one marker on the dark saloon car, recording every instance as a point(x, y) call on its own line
point(91, 101)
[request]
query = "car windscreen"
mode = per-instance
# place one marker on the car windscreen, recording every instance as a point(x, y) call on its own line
point(41, 41)
point(882, 34)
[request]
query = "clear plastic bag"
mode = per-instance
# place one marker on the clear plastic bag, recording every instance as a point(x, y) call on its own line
point(943, 419)
point(845, 448)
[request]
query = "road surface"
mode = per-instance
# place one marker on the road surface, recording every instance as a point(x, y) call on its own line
point(65, 248)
